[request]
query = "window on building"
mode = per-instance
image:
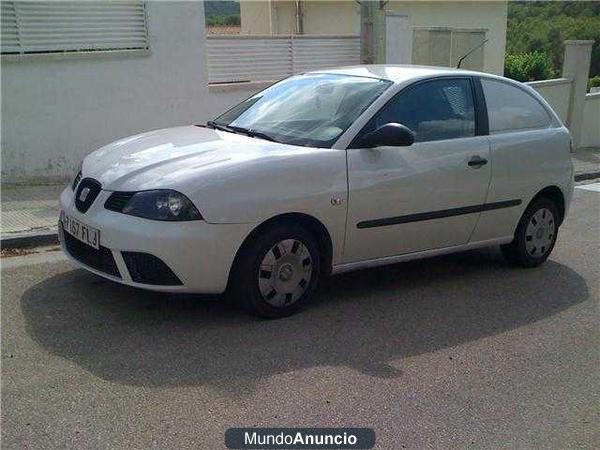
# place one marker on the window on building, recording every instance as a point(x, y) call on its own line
point(58, 27)
point(511, 108)
point(445, 46)
point(433, 110)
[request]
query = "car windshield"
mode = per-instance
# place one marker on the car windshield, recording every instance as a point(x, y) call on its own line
point(310, 110)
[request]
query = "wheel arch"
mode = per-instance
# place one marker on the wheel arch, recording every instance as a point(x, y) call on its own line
point(555, 194)
point(310, 223)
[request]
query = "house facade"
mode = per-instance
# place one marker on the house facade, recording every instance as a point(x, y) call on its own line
point(65, 94)
point(424, 32)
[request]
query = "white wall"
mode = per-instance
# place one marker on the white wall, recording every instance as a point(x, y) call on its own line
point(490, 15)
point(567, 95)
point(591, 121)
point(55, 110)
point(556, 92)
point(255, 17)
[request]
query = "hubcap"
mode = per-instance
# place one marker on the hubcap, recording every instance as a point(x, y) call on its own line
point(285, 273)
point(540, 233)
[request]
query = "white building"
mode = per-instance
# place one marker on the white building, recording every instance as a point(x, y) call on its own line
point(429, 32)
point(141, 66)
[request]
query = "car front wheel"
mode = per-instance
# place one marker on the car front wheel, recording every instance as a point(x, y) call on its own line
point(535, 236)
point(277, 272)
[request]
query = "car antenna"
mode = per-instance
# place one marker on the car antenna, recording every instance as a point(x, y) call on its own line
point(470, 51)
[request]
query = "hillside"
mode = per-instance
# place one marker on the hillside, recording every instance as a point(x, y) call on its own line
point(543, 26)
point(221, 13)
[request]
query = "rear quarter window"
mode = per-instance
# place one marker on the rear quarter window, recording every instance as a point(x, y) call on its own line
point(513, 109)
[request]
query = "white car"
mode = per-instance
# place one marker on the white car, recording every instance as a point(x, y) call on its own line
point(322, 173)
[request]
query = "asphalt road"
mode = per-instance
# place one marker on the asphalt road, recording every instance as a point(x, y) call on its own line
point(455, 351)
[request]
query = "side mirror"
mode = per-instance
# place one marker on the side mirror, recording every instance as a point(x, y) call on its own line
point(389, 134)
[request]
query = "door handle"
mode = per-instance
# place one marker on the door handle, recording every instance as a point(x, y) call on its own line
point(477, 161)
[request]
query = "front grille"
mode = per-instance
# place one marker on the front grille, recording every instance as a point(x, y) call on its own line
point(101, 259)
point(148, 269)
point(87, 191)
point(118, 200)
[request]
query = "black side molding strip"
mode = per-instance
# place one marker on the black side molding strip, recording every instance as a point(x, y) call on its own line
point(437, 214)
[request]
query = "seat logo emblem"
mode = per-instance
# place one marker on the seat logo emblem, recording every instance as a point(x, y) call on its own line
point(83, 194)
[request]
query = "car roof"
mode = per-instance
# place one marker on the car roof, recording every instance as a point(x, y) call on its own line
point(397, 73)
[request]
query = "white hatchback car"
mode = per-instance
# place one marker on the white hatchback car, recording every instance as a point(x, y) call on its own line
point(322, 173)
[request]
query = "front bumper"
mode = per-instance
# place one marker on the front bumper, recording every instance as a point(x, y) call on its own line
point(199, 254)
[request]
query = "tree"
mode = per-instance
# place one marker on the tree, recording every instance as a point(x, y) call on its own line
point(544, 26)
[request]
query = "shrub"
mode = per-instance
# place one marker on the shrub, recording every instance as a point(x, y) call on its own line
point(223, 20)
point(594, 82)
point(528, 66)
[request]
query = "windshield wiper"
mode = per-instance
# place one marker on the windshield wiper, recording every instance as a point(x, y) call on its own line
point(253, 133)
point(240, 130)
point(218, 126)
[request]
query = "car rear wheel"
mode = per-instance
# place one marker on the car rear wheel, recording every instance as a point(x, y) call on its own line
point(277, 272)
point(535, 236)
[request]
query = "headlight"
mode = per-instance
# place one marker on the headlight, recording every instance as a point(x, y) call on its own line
point(161, 205)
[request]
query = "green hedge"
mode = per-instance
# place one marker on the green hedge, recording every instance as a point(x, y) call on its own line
point(220, 21)
point(528, 67)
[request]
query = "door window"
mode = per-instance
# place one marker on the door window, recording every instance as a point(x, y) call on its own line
point(512, 109)
point(433, 110)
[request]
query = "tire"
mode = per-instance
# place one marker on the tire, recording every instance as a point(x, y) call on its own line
point(270, 275)
point(535, 235)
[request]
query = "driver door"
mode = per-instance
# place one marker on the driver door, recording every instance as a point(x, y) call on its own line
point(427, 195)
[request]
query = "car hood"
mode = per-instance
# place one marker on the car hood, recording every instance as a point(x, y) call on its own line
point(173, 157)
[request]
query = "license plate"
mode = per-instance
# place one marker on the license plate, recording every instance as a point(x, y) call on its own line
point(81, 231)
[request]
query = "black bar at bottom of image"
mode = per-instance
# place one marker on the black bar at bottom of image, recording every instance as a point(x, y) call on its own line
point(300, 438)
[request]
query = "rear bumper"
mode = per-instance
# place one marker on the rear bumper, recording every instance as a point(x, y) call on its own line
point(197, 253)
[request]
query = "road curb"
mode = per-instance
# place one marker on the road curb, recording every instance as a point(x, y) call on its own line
point(587, 176)
point(30, 240)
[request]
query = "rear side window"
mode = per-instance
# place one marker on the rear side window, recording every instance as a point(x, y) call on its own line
point(512, 109)
point(433, 110)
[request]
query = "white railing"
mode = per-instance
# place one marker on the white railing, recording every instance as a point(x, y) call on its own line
point(234, 59)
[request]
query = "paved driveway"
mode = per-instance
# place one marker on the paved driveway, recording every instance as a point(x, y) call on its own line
point(454, 351)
